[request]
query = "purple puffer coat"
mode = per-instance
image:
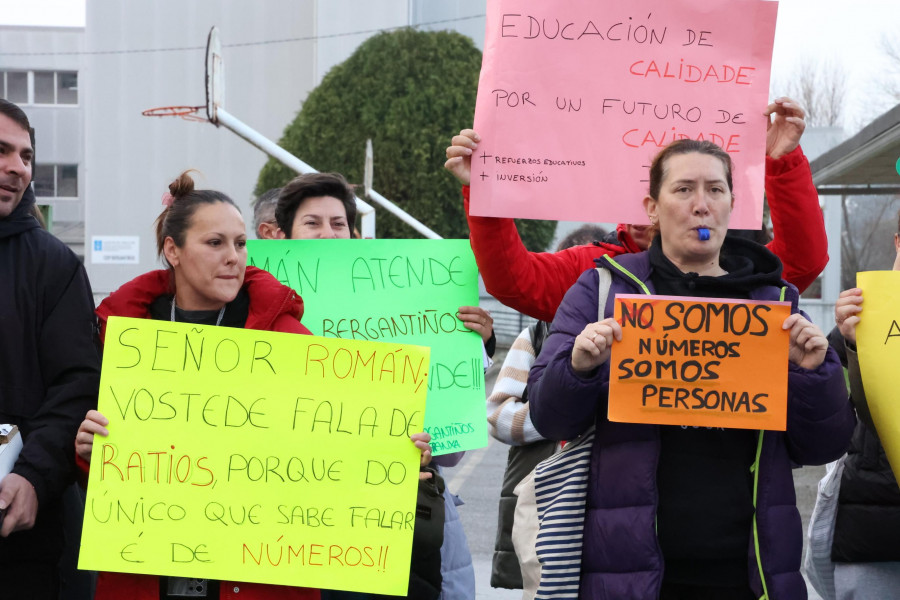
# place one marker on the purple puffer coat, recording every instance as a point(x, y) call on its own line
point(621, 558)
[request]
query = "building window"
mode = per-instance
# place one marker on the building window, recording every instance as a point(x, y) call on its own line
point(66, 87)
point(40, 87)
point(56, 181)
point(15, 86)
point(44, 87)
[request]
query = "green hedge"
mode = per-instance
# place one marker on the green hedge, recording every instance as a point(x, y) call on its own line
point(409, 91)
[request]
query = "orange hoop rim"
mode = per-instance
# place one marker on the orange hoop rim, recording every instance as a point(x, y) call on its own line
point(188, 113)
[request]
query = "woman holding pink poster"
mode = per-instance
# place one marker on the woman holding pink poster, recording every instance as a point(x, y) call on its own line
point(535, 282)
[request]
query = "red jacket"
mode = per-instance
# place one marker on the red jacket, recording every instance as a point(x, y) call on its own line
point(273, 307)
point(534, 283)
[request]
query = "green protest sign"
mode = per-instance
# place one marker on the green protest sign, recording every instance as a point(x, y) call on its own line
point(405, 291)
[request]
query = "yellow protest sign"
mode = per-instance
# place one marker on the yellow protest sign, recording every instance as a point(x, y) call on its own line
point(878, 346)
point(255, 456)
point(707, 362)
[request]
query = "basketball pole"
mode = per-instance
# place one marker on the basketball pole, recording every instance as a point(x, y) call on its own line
point(218, 116)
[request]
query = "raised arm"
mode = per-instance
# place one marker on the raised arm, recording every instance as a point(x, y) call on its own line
point(797, 223)
point(532, 283)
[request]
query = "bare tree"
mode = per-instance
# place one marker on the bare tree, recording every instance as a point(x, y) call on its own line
point(867, 238)
point(821, 88)
point(891, 48)
point(868, 221)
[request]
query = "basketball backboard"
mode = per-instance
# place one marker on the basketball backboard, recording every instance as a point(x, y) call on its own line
point(215, 76)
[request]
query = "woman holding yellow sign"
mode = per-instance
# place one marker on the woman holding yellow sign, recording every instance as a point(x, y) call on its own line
point(864, 553)
point(202, 239)
point(675, 511)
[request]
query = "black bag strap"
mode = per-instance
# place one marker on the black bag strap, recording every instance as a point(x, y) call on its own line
point(539, 332)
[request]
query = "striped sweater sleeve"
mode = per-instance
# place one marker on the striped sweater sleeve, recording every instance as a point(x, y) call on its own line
point(508, 415)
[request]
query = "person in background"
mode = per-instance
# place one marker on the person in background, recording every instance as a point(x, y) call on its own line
point(864, 549)
point(509, 422)
point(534, 282)
point(678, 513)
point(323, 206)
point(200, 235)
point(264, 222)
point(49, 370)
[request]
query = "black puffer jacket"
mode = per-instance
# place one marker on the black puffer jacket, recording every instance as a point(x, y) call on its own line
point(425, 578)
point(868, 518)
point(49, 368)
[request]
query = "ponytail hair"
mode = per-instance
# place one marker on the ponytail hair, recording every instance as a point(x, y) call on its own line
point(182, 201)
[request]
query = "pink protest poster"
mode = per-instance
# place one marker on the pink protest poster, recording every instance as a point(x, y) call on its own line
point(576, 98)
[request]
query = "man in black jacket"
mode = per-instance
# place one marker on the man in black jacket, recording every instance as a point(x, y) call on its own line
point(49, 370)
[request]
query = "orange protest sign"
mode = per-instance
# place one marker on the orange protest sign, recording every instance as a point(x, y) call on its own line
point(708, 362)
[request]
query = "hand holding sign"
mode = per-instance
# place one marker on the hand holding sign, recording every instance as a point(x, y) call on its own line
point(478, 320)
point(808, 343)
point(421, 441)
point(594, 345)
point(459, 154)
point(846, 313)
point(94, 423)
point(784, 130)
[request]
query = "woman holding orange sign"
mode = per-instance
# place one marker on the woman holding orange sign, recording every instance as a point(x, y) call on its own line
point(673, 511)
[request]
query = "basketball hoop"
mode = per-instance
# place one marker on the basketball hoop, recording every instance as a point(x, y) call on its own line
point(215, 88)
point(188, 113)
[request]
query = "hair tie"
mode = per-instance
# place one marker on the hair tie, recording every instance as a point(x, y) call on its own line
point(167, 199)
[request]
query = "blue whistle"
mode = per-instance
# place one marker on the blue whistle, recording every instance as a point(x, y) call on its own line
point(703, 233)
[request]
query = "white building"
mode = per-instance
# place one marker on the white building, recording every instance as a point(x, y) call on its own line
point(40, 71)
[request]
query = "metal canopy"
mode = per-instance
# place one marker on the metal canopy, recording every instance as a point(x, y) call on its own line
point(866, 164)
